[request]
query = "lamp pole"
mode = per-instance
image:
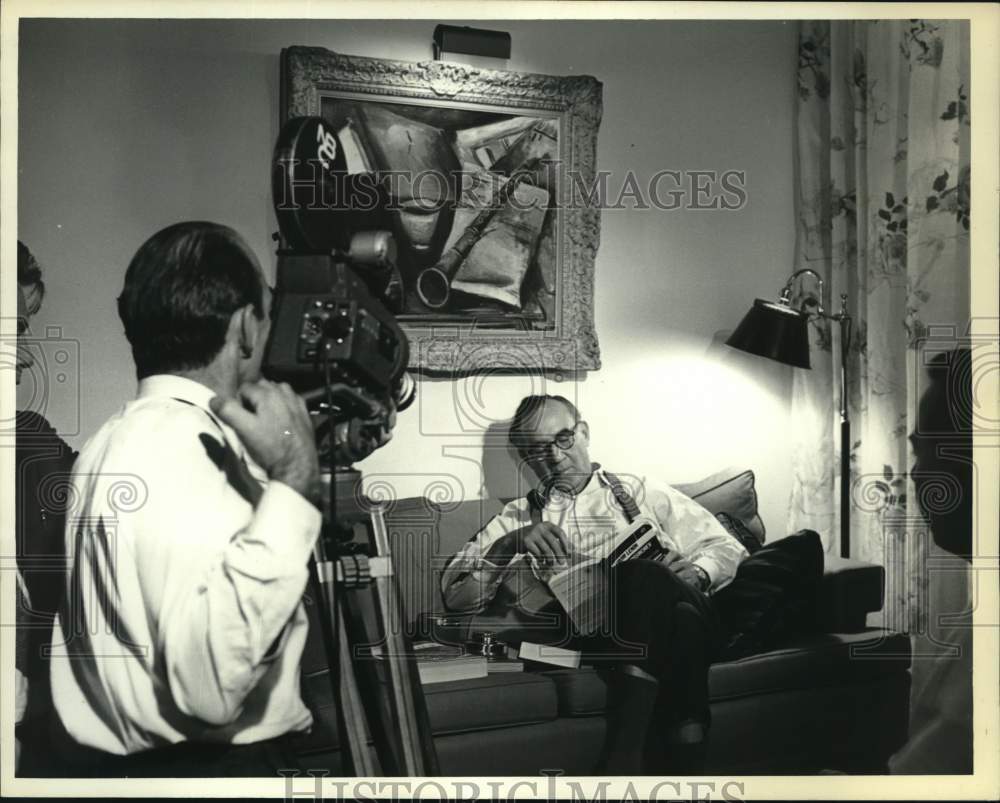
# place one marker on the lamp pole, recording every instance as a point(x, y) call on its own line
point(843, 318)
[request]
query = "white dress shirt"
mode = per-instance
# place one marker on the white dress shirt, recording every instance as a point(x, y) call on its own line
point(591, 519)
point(183, 618)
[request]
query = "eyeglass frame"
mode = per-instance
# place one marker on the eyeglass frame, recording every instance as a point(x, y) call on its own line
point(541, 450)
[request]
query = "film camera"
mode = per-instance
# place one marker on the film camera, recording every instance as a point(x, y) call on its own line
point(335, 340)
point(334, 337)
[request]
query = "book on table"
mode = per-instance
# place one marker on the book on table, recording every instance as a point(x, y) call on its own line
point(438, 663)
point(547, 654)
point(504, 664)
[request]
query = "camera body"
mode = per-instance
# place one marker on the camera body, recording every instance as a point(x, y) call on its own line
point(328, 327)
point(334, 336)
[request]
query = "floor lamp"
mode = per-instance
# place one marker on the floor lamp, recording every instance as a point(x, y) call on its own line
point(780, 332)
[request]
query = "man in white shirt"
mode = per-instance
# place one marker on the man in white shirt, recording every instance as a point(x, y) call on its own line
point(665, 607)
point(195, 510)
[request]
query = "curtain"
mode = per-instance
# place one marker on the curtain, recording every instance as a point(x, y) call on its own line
point(883, 216)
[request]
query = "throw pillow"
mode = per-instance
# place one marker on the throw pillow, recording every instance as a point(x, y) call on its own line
point(736, 528)
point(773, 596)
point(729, 491)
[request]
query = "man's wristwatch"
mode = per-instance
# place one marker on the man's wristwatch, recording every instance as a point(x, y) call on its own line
point(704, 581)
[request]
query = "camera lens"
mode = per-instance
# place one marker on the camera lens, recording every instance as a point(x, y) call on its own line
point(406, 392)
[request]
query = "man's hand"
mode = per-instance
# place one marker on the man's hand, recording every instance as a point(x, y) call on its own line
point(544, 540)
point(687, 571)
point(274, 425)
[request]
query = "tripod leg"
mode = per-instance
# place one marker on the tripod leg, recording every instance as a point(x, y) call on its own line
point(416, 740)
point(353, 717)
point(350, 710)
point(390, 688)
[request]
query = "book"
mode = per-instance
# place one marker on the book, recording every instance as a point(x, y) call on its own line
point(499, 666)
point(582, 588)
point(438, 663)
point(557, 656)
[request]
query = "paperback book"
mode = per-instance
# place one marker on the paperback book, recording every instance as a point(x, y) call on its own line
point(583, 587)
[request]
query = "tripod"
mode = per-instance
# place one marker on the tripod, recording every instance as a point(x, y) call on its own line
point(372, 669)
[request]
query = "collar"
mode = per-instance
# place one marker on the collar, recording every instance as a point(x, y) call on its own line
point(540, 495)
point(602, 475)
point(171, 386)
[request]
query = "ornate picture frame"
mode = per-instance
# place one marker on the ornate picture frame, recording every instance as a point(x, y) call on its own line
point(497, 260)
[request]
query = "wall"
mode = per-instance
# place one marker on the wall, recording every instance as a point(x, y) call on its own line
point(126, 127)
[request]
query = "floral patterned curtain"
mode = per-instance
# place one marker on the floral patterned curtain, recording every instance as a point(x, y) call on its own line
point(883, 216)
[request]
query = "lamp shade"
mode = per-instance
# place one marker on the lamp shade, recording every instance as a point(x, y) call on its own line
point(775, 331)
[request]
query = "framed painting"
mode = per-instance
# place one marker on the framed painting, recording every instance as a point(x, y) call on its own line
point(487, 175)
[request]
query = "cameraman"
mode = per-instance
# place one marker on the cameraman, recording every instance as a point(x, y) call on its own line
point(196, 508)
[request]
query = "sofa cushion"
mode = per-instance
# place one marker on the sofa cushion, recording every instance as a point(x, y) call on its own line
point(495, 701)
point(807, 663)
point(581, 692)
point(826, 659)
point(738, 530)
point(729, 491)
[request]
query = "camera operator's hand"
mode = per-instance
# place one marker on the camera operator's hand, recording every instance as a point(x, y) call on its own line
point(274, 425)
point(546, 541)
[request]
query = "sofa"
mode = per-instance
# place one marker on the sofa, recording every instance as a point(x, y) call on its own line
point(833, 698)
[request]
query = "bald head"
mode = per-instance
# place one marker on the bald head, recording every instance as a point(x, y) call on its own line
point(553, 440)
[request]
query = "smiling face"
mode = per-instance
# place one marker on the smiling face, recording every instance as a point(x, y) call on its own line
point(540, 445)
point(29, 301)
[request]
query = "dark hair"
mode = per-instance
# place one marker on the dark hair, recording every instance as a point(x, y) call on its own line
point(949, 392)
point(29, 274)
point(528, 411)
point(181, 289)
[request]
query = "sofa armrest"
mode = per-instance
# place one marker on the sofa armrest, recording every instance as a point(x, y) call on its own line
point(849, 591)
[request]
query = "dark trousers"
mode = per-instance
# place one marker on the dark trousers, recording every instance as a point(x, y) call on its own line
point(266, 759)
point(664, 626)
point(60, 756)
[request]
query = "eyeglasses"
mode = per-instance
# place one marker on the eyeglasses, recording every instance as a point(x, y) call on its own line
point(564, 440)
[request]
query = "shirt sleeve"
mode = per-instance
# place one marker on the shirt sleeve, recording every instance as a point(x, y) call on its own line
point(698, 535)
point(220, 578)
point(470, 581)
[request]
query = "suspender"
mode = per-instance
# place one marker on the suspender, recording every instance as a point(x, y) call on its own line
point(623, 497)
point(536, 501)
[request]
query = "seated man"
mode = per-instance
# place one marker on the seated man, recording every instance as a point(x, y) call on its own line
point(664, 608)
point(177, 647)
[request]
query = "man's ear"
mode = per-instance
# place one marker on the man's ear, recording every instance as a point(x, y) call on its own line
point(247, 330)
point(584, 430)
